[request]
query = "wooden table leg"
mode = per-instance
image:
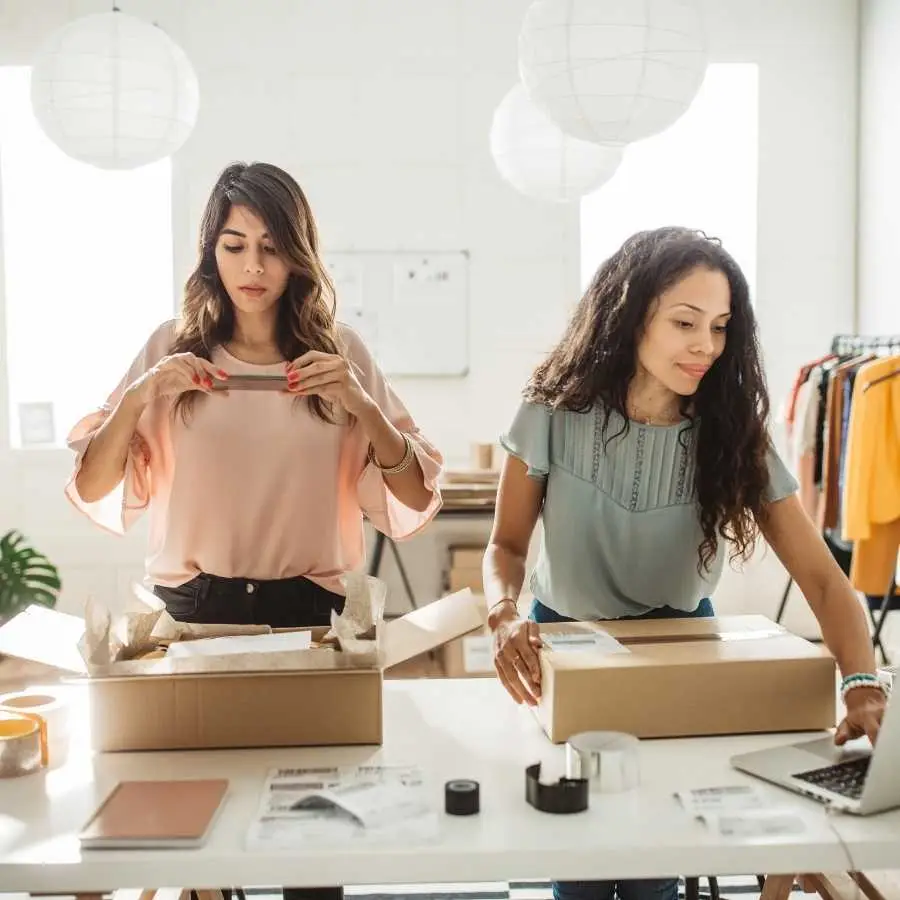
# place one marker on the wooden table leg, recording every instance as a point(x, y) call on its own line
point(777, 887)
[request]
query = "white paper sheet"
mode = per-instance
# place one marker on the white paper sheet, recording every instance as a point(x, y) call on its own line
point(245, 643)
point(375, 804)
point(757, 823)
point(728, 798)
point(740, 811)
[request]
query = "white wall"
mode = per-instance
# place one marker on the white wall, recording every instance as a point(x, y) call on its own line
point(879, 173)
point(385, 121)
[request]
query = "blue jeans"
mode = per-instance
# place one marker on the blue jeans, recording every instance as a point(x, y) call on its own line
point(637, 889)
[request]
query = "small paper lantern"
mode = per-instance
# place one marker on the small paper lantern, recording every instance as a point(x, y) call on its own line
point(612, 71)
point(113, 91)
point(537, 159)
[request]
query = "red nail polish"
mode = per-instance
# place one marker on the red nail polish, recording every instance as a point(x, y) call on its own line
point(196, 379)
point(223, 373)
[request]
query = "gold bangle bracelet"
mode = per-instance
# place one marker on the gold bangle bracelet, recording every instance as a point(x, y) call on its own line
point(402, 466)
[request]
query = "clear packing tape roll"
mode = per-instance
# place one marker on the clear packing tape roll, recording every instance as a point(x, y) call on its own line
point(609, 760)
point(50, 712)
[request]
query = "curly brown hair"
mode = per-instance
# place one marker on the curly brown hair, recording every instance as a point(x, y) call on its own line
point(306, 310)
point(597, 358)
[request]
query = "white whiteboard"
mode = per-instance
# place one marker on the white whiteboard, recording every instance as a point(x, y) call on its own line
point(411, 309)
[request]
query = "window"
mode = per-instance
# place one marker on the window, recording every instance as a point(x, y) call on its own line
point(701, 172)
point(87, 256)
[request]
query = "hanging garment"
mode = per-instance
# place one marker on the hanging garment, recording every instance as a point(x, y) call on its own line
point(871, 490)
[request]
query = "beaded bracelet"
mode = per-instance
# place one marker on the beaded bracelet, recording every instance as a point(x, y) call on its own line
point(862, 680)
point(401, 466)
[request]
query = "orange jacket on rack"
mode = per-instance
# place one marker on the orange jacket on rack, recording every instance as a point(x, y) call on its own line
point(871, 500)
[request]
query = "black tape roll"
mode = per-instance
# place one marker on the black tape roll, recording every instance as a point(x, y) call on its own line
point(462, 797)
point(568, 795)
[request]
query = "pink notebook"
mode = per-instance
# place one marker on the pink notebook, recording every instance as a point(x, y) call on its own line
point(165, 814)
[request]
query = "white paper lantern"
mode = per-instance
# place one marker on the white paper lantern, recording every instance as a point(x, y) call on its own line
point(613, 71)
point(113, 91)
point(537, 159)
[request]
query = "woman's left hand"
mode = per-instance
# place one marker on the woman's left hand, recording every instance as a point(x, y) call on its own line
point(328, 376)
point(865, 710)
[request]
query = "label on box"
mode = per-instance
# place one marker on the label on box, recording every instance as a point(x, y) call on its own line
point(478, 650)
point(584, 642)
point(478, 654)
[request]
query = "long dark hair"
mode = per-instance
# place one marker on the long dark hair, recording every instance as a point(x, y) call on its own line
point(597, 357)
point(306, 310)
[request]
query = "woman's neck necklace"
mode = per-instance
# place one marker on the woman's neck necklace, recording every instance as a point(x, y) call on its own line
point(670, 417)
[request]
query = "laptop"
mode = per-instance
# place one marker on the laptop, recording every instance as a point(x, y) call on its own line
point(855, 778)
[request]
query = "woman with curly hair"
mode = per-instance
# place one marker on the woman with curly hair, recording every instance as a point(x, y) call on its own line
point(642, 445)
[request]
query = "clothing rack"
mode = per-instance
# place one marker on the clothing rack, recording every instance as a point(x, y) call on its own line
point(844, 344)
point(879, 607)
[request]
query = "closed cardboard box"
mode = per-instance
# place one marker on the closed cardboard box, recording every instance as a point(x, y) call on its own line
point(465, 569)
point(462, 579)
point(684, 677)
point(469, 656)
point(467, 557)
point(298, 698)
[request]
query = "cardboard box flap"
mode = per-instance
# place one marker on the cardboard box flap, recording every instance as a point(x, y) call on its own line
point(430, 626)
point(45, 636)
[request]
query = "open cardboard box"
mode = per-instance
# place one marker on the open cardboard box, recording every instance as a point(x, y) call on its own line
point(298, 698)
point(688, 677)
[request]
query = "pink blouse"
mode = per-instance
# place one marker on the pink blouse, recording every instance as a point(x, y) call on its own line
point(255, 485)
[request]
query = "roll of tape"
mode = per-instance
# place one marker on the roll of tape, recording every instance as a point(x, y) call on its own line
point(53, 709)
point(462, 797)
point(609, 760)
point(23, 747)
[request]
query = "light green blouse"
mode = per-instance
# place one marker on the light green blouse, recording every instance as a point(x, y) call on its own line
point(621, 529)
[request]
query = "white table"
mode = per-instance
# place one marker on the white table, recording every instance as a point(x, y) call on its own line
point(455, 729)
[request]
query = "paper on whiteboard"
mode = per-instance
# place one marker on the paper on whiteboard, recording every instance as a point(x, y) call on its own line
point(246, 643)
point(347, 275)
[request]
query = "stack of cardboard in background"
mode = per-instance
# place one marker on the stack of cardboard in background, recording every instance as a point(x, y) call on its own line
point(465, 568)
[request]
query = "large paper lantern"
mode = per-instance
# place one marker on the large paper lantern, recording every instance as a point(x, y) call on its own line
point(613, 71)
point(536, 158)
point(113, 91)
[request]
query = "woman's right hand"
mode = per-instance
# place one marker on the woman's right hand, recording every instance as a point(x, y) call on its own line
point(517, 661)
point(174, 375)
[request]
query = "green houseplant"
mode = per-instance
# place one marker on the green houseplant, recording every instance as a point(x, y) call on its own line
point(26, 576)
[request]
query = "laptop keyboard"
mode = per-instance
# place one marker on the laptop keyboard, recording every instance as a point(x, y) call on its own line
point(846, 779)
